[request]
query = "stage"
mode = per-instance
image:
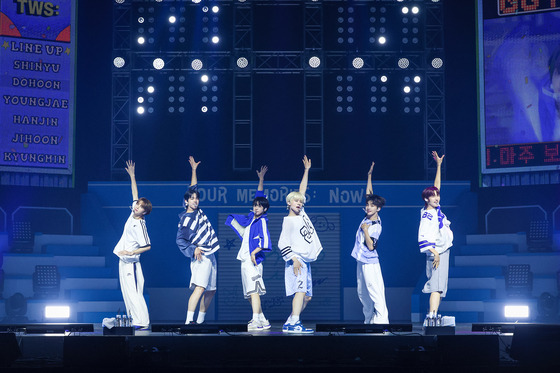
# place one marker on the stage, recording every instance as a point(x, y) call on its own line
point(219, 346)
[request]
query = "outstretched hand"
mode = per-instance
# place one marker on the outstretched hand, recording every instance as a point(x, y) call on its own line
point(371, 168)
point(193, 163)
point(437, 158)
point(262, 172)
point(130, 168)
point(306, 162)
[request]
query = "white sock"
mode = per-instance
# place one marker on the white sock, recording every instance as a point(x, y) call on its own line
point(200, 318)
point(190, 317)
point(295, 319)
point(256, 317)
point(260, 316)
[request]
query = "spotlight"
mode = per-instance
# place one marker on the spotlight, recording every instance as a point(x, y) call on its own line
point(196, 1)
point(119, 1)
point(358, 63)
point(415, 10)
point(141, 40)
point(140, 110)
point(437, 63)
point(140, 19)
point(205, 9)
point(215, 9)
point(405, 10)
point(406, 89)
point(151, 89)
point(417, 79)
point(172, 19)
point(383, 78)
point(57, 312)
point(204, 78)
point(215, 39)
point(204, 109)
point(196, 64)
point(158, 64)
point(516, 311)
point(382, 40)
point(242, 62)
point(403, 63)
point(314, 62)
point(140, 100)
point(118, 62)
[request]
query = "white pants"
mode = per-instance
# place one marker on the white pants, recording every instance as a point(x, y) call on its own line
point(371, 291)
point(132, 287)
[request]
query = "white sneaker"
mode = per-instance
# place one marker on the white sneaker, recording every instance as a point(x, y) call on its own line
point(264, 324)
point(254, 325)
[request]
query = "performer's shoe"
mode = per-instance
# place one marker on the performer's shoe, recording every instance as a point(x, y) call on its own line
point(254, 325)
point(297, 328)
point(285, 327)
point(264, 324)
point(141, 327)
point(191, 323)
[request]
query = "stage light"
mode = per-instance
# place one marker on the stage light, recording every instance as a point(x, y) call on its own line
point(215, 9)
point(196, 64)
point(158, 64)
point(151, 89)
point(141, 40)
point(172, 19)
point(382, 40)
point(205, 9)
point(204, 78)
point(140, 19)
point(140, 110)
point(242, 62)
point(415, 10)
point(437, 63)
point(358, 63)
point(140, 100)
point(57, 312)
point(119, 1)
point(196, 1)
point(404, 10)
point(403, 63)
point(118, 62)
point(516, 311)
point(406, 89)
point(314, 62)
point(204, 109)
point(215, 39)
point(383, 78)
point(417, 79)
point(159, 1)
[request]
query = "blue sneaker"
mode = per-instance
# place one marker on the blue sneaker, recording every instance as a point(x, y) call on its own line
point(297, 328)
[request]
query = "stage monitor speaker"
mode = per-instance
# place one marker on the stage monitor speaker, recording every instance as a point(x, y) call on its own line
point(468, 350)
point(9, 349)
point(95, 351)
point(536, 344)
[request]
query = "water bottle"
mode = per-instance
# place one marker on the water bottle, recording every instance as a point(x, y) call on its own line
point(125, 319)
point(130, 321)
point(439, 320)
point(119, 321)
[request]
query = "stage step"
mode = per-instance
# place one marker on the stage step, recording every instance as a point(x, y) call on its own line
point(87, 272)
point(490, 271)
point(471, 282)
point(79, 295)
point(94, 317)
point(71, 250)
point(24, 264)
point(541, 263)
point(487, 249)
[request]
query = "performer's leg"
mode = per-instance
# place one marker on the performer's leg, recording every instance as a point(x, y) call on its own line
point(367, 303)
point(376, 292)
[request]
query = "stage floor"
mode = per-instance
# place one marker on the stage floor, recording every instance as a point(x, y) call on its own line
point(147, 350)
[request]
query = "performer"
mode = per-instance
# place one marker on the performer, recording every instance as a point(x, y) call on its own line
point(253, 231)
point(134, 241)
point(198, 242)
point(435, 238)
point(371, 289)
point(299, 246)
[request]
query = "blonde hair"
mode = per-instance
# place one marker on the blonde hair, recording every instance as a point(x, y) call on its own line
point(295, 195)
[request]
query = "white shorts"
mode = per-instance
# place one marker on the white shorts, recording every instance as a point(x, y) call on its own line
point(251, 277)
point(437, 278)
point(203, 273)
point(298, 284)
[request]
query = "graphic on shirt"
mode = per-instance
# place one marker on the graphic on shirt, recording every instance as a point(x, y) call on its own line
point(307, 230)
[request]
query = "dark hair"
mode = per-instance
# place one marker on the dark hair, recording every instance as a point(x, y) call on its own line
point(376, 200)
point(262, 201)
point(429, 192)
point(190, 192)
point(146, 204)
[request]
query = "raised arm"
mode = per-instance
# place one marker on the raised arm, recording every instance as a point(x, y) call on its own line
point(261, 174)
point(130, 170)
point(194, 166)
point(439, 161)
point(304, 179)
point(369, 187)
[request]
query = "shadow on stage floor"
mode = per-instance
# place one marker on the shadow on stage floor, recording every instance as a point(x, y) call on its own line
point(172, 348)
